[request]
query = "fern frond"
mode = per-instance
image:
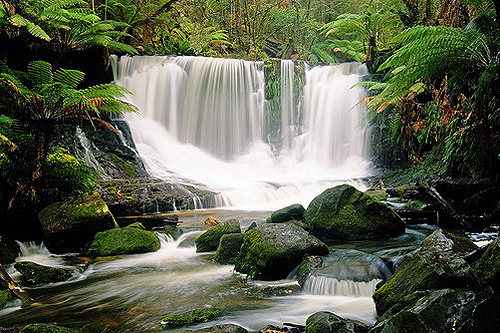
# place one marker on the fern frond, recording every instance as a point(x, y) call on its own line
point(40, 72)
point(69, 77)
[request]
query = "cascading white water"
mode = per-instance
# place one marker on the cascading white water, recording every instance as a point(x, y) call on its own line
point(324, 285)
point(202, 119)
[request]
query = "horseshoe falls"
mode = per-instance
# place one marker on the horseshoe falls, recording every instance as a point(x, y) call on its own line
point(262, 135)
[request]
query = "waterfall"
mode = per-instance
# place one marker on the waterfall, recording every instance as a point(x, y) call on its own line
point(203, 120)
point(324, 285)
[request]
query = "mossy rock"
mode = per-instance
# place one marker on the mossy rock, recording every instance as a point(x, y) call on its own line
point(5, 298)
point(35, 274)
point(137, 225)
point(128, 240)
point(271, 251)
point(9, 250)
point(224, 328)
point(209, 240)
point(292, 212)
point(435, 265)
point(487, 268)
point(377, 194)
point(70, 225)
point(172, 231)
point(191, 317)
point(343, 212)
point(47, 328)
point(328, 322)
point(229, 247)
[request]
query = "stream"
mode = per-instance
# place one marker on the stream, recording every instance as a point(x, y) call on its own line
point(132, 293)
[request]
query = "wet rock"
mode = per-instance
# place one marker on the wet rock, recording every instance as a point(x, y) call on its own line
point(270, 251)
point(35, 274)
point(229, 248)
point(47, 328)
point(277, 329)
point(128, 240)
point(343, 212)
point(328, 322)
point(9, 250)
point(442, 310)
point(172, 231)
point(487, 268)
point(292, 212)
point(191, 317)
point(377, 194)
point(6, 297)
point(210, 220)
point(209, 240)
point(437, 264)
point(132, 197)
point(71, 224)
point(224, 328)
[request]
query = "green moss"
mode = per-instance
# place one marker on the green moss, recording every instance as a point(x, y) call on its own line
point(377, 194)
point(35, 274)
point(209, 240)
point(292, 212)
point(229, 247)
point(191, 317)
point(5, 298)
point(487, 268)
point(47, 328)
point(9, 250)
point(137, 225)
point(461, 245)
point(123, 241)
point(125, 166)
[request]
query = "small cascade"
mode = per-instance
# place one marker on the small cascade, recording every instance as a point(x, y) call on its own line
point(325, 285)
point(289, 120)
point(38, 253)
point(88, 156)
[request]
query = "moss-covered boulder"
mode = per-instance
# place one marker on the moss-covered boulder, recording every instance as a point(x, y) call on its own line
point(35, 274)
point(437, 264)
point(440, 310)
point(128, 240)
point(70, 225)
point(343, 212)
point(270, 251)
point(292, 212)
point(328, 322)
point(191, 317)
point(9, 250)
point(5, 298)
point(224, 328)
point(487, 268)
point(229, 247)
point(209, 240)
point(47, 328)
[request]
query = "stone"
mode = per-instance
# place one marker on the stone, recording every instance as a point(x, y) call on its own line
point(343, 212)
point(224, 328)
point(210, 220)
point(328, 322)
point(6, 297)
point(487, 268)
point(9, 250)
point(441, 310)
point(435, 265)
point(271, 251)
point(47, 328)
point(292, 212)
point(209, 240)
point(35, 274)
point(128, 240)
point(229, 248)
point(191, 317)
point(70, 225)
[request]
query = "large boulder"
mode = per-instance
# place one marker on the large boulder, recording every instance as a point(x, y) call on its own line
point(328, 322)
point(487, 268)
point(343, 212)
point(229, 247)
point(270, 251)
point(209, 240)
point(191, 317)
point(128, 240)
point(35, 274)
point(9, 250)
point(289, 213)
point(437, 264)
point(70, 225)
point(441, 310)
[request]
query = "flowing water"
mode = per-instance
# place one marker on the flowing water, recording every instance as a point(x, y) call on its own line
point(205, 120)
point(132, 293)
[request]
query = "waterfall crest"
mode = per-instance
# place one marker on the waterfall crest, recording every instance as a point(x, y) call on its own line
point(207, 120)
